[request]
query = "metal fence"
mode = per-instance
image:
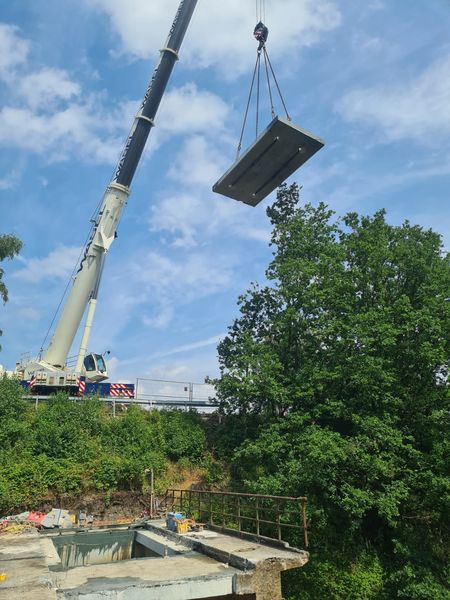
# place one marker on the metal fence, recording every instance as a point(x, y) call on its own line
point(157, 393)
point(167, 393)
point(269, 518)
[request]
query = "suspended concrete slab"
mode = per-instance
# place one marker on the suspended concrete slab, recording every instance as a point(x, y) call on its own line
point(275, 154)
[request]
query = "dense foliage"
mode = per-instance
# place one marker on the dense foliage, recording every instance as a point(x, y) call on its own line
point(10, 245)
point(342, 361)
point(70, 447)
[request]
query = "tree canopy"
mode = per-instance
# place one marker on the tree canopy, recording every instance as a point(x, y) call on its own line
point(343, 358)
point(10, 246)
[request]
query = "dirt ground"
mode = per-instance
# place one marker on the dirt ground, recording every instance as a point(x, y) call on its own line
point(122, 507)
point(118, 507)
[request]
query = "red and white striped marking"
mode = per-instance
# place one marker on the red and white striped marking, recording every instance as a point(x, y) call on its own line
point(81, 385)
point(32, 382)
point(120, 390)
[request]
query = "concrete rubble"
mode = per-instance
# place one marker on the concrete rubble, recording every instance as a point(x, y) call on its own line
point(56, 517)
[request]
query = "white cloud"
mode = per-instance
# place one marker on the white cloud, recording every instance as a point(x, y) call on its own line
point(180, 215)
point(376, 6)
point(59, 264)
point(220, 35)
point(194, 215)
point(195, 275)
point(13, 49)
point(198, 164)
point(10, 180)
point(57, 120)
point(166, 282)
point(214, 340)
point(258, 234)
point(188, 109)
point(29, 314)
point(162, 317)
point(74, 130)
point(415, 108)
point(44, 88)
point(198, 361)
point(47, 113)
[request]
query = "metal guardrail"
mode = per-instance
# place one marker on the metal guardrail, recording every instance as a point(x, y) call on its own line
point(183, 394)
point(157, 393)
point(119, 404)
point(255, 514)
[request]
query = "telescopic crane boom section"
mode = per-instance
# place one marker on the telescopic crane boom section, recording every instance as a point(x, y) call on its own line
point(87, 280)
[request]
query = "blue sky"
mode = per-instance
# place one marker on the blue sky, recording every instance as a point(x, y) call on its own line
point(371, 78)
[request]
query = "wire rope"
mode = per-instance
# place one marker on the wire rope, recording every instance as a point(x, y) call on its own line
point(257, 95)
point(258, 58)
point(260, 7)
point(260, 10)
point(269, 87)
point(276, 83)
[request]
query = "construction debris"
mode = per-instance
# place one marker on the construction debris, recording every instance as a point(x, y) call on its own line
point(30, 520)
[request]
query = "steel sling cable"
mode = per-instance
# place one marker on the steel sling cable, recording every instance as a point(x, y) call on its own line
point(276, 83)
point(269, 87)
point(258, 59)
point(257, 94)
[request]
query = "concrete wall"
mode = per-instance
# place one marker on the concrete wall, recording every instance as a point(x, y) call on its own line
point(93, 548)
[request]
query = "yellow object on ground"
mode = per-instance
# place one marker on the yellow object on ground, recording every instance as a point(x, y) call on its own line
point(17, 528)
point(2, 577)
point(182, 525)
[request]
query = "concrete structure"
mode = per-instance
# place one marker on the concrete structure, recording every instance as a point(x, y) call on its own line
point(206, 565)
point(24, 563)
point(275, 154)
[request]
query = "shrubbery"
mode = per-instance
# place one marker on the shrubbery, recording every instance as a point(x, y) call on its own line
point(70, 447)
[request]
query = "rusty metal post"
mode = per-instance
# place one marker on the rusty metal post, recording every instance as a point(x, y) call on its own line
point(305, 521)
point(278, 521)
point(223, 510)
point(239, 513)
point(257, 515)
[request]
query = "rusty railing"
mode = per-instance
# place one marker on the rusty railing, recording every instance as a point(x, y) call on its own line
point(266, 517)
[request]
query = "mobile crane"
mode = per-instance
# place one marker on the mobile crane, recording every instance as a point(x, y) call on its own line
point(275, 154)
point(50, 372)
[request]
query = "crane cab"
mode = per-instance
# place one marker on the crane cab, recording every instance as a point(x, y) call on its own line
point(95, 367)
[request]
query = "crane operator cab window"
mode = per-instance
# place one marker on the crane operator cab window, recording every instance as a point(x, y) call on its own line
point(94, 362)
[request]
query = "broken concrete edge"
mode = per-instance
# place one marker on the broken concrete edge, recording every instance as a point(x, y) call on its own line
point(238, 562)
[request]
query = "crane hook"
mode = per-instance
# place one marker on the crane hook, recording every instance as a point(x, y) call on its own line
point(261, 33)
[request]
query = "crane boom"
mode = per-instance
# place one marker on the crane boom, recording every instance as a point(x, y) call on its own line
point(87, 279)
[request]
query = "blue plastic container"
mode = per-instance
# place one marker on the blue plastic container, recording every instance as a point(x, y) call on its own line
point(171, 523)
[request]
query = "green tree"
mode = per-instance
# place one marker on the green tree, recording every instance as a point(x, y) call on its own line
point(10, 246)
point(345, 353)
point(14, 411)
